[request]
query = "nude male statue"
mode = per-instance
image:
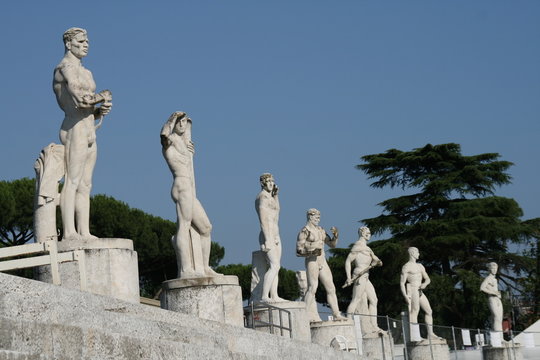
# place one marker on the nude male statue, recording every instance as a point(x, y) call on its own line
point(491, 288)
point(310, 244)
point(363, 291)
point(413, 280)
point(75, 88)
point(267, 206)
point(192, 256)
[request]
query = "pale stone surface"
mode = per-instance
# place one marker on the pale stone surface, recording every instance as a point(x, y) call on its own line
point(413, 280)
point(491, 288)
point(75, 88)
point(301, 279)
point(377, 348)
point(323, 332)
point(110, 265)
point(213, 298)
point(364, 299)
point(51, 322)
point(49, 169)
point(507, 352)
point(192, 241)
point(299, 319)
point(310, 244)
point(259, 266)
point(423, 351)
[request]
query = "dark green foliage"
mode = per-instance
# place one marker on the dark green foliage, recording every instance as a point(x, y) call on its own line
point(16, 211)
point(287, 285)
point(452, 215)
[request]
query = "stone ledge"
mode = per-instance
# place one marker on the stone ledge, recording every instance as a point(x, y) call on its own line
point(200, 281)
point(103, 243)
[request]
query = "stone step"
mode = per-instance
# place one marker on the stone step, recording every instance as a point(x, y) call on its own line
point(40, 318)
point(16, 355)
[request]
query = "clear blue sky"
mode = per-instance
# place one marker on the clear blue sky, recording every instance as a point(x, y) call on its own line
point(301, 89)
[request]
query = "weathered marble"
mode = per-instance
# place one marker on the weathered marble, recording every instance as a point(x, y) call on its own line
point(259, 266)
point(299, 319)
point(213, 298)
point(76, 95)
point(267, 207)
point(490, 287)
point(111, 268)
point(506, 352)
point(310, 245)
point(423, 350)
point(323, 332)
point(301, 279)
point(364, 299)
point(192, 240)
point(413, 280)
point(377, 348)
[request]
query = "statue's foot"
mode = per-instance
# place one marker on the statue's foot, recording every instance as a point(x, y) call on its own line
point(189, 274)
point(277, 299)
point(72, 237)
point(266, 299)
point(338, 316)
point(210, 272)
point(88, 237)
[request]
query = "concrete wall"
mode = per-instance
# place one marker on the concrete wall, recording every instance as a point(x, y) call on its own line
point(43, 321)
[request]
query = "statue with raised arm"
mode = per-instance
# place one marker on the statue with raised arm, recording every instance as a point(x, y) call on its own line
point(75, 88)
point(413, 281)
point(310, 244)
point(267, 207)
point(192, 241)
point(364, 296)
point(491, 288)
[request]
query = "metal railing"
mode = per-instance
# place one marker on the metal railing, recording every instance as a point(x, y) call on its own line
point(254, 312)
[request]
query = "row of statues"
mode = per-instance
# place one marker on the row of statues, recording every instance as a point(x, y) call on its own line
point(75, 159)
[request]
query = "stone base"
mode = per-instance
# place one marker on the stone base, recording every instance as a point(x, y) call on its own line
point(299, 319)
point(111, 268)
point(377, 348)
point(506, 352)
point(323, 332)
point(421, 350)
point(213, 298)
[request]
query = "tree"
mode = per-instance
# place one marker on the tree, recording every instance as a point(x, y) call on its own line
point(452, 215)
point(16, 211)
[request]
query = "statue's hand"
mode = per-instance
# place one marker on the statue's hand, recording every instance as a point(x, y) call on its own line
point(191, 147)
point(265, 247)
point(275, 190)
point(379, 263)
point(334, 231)
point(105, 108)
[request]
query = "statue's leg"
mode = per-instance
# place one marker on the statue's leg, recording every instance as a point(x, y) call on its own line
point(270, 277)
point(82, 200)
point(76, 147)
point(182, 194)
point(312, 274)
point(372, 303)
point(326, 279)
point(415, 304)
point(358, 290)
point(426, 307)
point(274, 290)
point(204, 228)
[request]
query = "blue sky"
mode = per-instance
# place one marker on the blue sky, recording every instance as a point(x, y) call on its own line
point(301, 89)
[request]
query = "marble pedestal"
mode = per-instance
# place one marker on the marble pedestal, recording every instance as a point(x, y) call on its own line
point(323, 332)
point(216, 298)
point(110, 268)
point(377, 347)
point(422, 350)
point(506, 352)
point(299, 318)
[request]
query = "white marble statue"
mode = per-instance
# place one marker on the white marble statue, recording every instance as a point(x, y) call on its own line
point(491, 288)
point(267, 206)
point(414, 280)
point(310, 244)
point(364, 296)
point(192, 241)
point(75, 88)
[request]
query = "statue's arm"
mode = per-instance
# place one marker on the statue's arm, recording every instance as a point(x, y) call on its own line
point(265, 219)
point(374, 259)
point(301, 242)
point(332, 241)
point(402, 282)
point(425, 278)
point(485, 288)
point(167, 129)
point(348, 263)
point(69, 75)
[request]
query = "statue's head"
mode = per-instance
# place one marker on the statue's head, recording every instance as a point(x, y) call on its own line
point(364, 232)
point(413, 252)
point(182, 123)
point(313, 216)
point(267, 181)
point(76, 41)
point(492, 267)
